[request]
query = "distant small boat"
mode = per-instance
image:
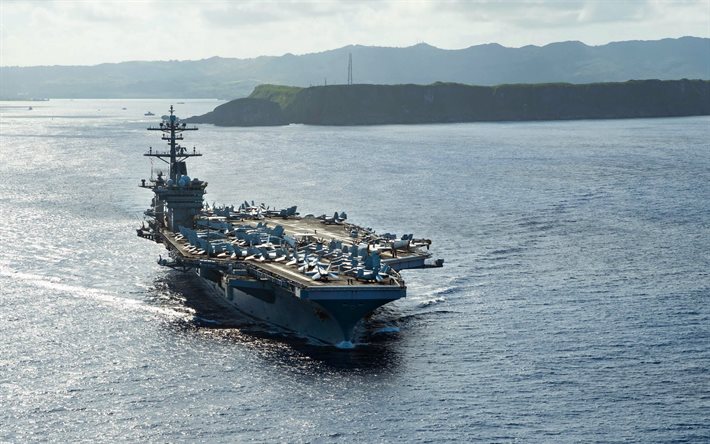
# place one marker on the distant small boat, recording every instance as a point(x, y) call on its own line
point(29, 108)
point(124, 108)
point(148, 114)
point(181, 103)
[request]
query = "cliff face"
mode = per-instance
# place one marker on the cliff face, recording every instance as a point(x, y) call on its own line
point(452, 102)
point(244, 112)
point(445, 102)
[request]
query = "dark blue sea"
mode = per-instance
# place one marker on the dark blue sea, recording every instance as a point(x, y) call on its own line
point(574, 305)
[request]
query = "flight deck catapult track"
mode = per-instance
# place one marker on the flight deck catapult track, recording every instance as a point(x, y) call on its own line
point(314, 276)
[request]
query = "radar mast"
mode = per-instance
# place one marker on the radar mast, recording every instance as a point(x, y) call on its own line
point(172, 130)
point(178, 200)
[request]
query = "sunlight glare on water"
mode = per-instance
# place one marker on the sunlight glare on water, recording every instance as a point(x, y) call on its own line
point(573, 305)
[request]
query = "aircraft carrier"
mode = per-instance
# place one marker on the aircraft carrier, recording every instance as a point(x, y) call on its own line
point(315, 277)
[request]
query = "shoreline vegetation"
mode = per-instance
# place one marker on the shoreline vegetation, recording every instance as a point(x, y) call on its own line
point(367, 104)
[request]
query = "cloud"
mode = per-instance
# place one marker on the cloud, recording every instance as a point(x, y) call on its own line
point(622, 11)
point(257, 13)
point(84, 32)
point(569, 13)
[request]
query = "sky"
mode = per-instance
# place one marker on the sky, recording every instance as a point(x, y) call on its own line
point(67, 32)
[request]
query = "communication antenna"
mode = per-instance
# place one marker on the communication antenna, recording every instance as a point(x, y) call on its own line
point(350, 68)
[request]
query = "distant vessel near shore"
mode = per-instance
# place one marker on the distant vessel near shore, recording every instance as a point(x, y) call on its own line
point(149, 114)
point(314, 276)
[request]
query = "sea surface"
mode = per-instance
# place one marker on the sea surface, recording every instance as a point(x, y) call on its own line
point(574, 305)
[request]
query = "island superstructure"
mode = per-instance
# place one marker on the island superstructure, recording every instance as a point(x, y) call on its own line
point(316, 277)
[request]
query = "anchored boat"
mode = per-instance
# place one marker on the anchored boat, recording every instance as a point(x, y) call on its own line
point(314, 276)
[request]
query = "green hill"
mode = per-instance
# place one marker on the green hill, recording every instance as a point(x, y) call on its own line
point(283, 95)
point(422, 64)
point(453, 102)
point(244, 112)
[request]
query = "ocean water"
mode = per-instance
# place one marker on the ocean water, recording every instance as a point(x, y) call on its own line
point(573, 305)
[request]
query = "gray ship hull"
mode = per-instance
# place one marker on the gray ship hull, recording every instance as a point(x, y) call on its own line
point(329, 315)
point(317, 277)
